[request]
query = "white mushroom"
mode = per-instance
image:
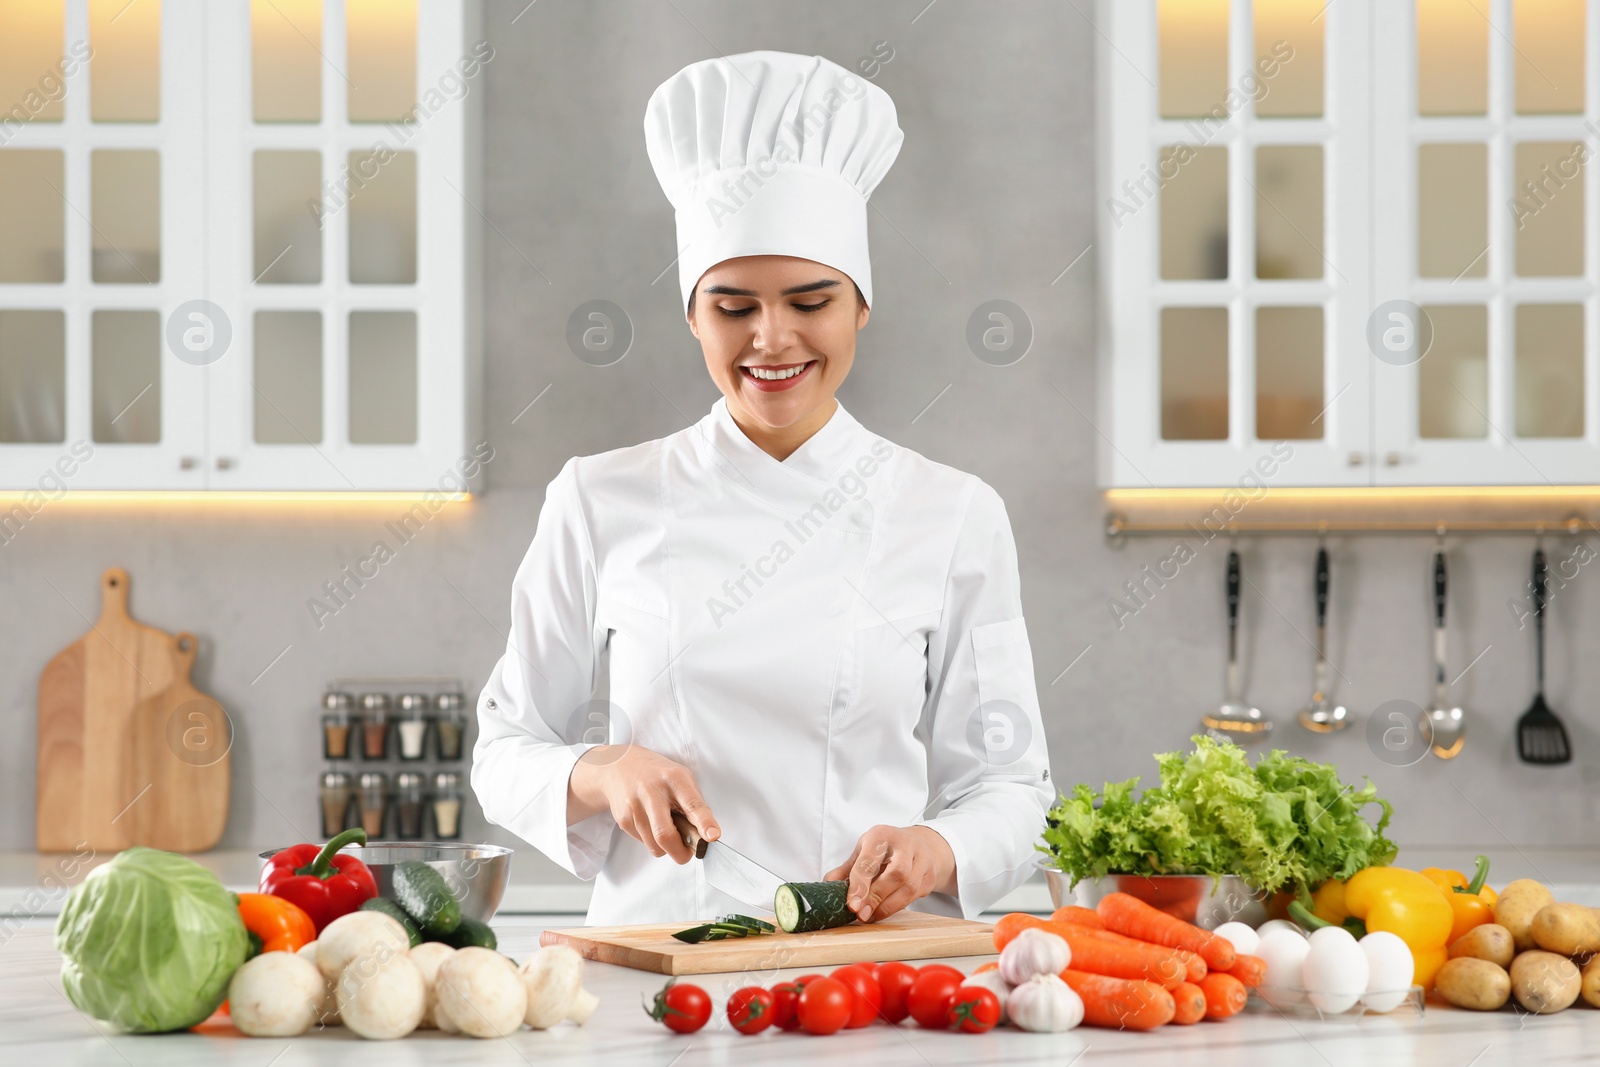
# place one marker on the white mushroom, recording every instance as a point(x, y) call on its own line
point(554, 980)
point(382, 999)
point(277, 994)
point(481, 993)
point(428, 956)
point(363, 935)
point(328, 1009)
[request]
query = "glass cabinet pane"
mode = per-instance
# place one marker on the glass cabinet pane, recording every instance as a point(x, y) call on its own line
point(1194, 212)
point(1289, 35)
point(125, 189)
point(1452, 210)
point(381, 38)
point(383, 217)
point(126, 377)
point(1549, 370)
point(288, 377)
point(288, 237)
point(1547, 204)
point(1194, 374)
point(1547, 56)
point(32, 41)
point(125, 73)
point(33, 377)
point(1452, 57)
point(1289, 237)
point(32, 215)
point(1288, 373)
point(1453, 376)
point(383, 377)
point(286, 60)
point(1194, 56)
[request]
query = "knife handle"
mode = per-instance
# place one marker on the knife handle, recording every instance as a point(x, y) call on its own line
point(691, 836)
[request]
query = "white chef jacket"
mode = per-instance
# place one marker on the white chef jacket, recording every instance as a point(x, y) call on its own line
point(828, 643)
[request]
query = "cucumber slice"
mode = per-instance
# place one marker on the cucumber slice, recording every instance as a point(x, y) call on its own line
point(694, 934)
point(754, 925)
point(806, 906)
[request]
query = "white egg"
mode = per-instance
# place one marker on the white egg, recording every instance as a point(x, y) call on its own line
point(1243, 939)
point(1334, 974)
point(1284, 953)
point(1278, 924)
point(1389, 970)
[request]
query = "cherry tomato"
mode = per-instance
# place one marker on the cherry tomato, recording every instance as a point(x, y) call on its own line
point(894, 982)
point(870, 968)
point(804, 978)
point(944, 968)
point(929, 999)
point(684, 1008)
point(784, 996)
point(750, 1009)
point(824, 1006)
point(973, 1010)
point(866, 996)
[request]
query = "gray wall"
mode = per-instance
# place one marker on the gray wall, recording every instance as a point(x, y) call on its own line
point(991, 197)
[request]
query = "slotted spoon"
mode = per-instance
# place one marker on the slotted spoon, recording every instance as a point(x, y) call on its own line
point(1323, 716)
point(1235, 721)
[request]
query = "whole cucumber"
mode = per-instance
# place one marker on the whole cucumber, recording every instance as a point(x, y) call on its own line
point(426, 897)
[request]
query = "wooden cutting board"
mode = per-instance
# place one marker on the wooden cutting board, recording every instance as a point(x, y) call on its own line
point(88, 694)
point(181, 741)
point(906, 935)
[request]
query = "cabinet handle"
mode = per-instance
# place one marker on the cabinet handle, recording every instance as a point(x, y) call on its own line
point(187, 463)
point(224, 463)
point(1356, 459)
point(1391, 459)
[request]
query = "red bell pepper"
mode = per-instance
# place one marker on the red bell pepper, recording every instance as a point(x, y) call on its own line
point(322, 883)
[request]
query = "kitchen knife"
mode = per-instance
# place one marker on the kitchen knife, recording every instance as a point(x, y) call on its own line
point(729, 870)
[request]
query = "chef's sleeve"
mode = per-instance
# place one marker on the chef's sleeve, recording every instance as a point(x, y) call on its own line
point(988, 772)
point(535, 718)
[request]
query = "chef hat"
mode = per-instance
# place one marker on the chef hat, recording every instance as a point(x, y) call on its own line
point(770, 153)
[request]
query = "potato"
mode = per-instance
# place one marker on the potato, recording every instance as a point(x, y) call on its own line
point(1518, 904)
point(1474, 984)
point(1590, 987)
point(1544, 982)
point(1491, 942)
point(1567, 929)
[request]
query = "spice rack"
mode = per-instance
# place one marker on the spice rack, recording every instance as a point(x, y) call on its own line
point(394, 749)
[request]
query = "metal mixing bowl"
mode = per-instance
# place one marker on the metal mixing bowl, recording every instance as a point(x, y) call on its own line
point(476, 874)
point(1198, 898)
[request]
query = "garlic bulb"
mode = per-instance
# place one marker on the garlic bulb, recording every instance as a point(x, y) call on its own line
point(1044, 1004)
point(994, 983)
point(1034, 952)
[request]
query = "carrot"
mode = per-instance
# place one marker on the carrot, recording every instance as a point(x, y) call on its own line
point(1225, 995)
point(1114, 956)
point(992, 965)
point(1250, 970)
point(1190, 1000)
point(1119, 1004)
point(1197, 966)
point(1074, 914)
point(1009, 926)
point(1129, 915)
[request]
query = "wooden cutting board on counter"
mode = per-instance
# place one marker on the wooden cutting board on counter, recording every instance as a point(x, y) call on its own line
point(906, 935)
point(181, 741)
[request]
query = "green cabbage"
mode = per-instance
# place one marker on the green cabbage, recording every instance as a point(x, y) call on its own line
point(149, 942)
point(1286, 823)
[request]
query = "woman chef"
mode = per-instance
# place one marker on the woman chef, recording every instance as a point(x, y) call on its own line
point(817, 650)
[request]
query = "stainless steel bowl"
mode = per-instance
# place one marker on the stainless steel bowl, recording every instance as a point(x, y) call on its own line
point(1198, 898)
point(476, 874)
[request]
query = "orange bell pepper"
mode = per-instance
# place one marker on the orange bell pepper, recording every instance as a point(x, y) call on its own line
point(281, 925)
point(1472, 902)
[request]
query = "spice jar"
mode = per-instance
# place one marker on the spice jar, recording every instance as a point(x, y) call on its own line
point(447, 805)
point(408, 805)
point(335, 793)
point(451, 726)
point(411, 725)
point(374, 800)
point(374, 725)
point(336, 721)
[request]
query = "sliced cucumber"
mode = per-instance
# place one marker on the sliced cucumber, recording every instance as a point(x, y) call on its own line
point(806, 906)
point(755, 925)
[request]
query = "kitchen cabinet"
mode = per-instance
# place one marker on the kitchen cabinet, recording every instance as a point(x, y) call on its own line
point(1349, 245)
point(240, 243)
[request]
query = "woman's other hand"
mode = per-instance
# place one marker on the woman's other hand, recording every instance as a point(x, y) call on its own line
point(641, 789)
point(894, 865)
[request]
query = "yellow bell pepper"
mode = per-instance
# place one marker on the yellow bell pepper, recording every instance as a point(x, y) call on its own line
point(1405, 903)
point(1471, 901)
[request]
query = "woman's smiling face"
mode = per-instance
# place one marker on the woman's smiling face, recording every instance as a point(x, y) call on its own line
point(779, 336)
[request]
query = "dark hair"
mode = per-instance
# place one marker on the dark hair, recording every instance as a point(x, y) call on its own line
point(696, 292)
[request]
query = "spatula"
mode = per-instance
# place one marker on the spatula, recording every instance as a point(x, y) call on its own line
point(1541, 739)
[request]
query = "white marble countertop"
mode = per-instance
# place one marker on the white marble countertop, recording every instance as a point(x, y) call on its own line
point(39, 1026)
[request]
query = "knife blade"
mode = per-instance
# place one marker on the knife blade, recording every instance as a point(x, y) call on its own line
point(729, 870)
